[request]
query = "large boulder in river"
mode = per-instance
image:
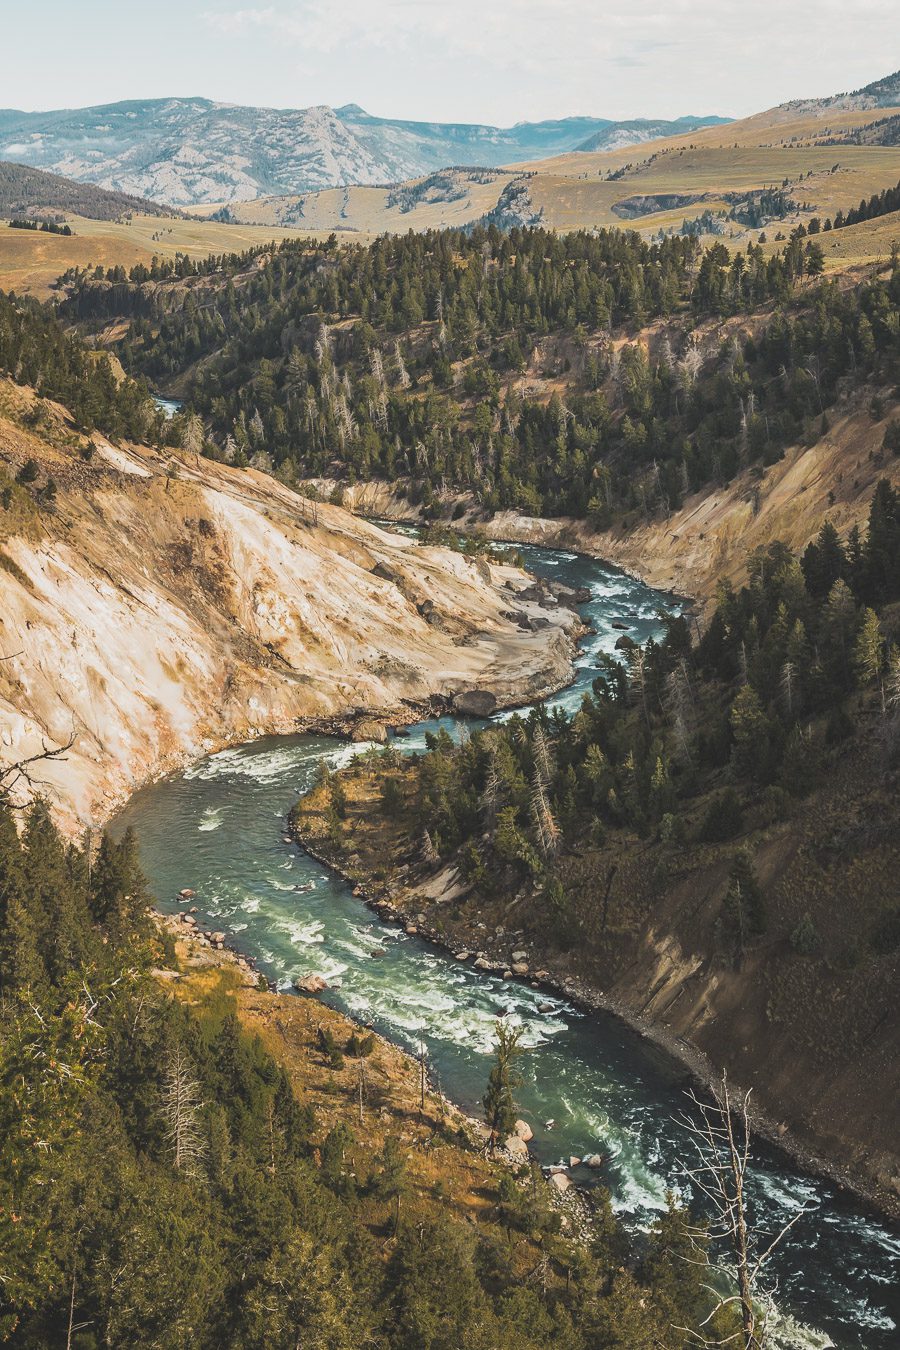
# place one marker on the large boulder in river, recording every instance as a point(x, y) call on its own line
point(560, 1181)
point(310, 984)
point(523, 1130)
point(475, 702)
point(369, 729)
point(572, 598)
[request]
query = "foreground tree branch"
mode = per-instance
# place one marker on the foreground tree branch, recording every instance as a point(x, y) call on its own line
point(20, 774)
point(720, 1137)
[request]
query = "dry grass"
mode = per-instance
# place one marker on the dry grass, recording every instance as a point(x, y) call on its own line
point(365, 212)
point(31, 261)
point(288, 1028)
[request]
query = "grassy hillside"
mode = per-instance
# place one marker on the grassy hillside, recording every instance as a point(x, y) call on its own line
point(810, 148)
point(32, 263)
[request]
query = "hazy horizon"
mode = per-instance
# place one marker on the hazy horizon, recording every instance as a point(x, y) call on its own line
point(419, 60)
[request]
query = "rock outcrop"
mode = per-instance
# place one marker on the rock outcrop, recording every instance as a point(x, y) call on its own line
point(157, 611)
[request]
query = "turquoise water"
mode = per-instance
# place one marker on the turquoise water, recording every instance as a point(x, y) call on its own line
point(218, 828)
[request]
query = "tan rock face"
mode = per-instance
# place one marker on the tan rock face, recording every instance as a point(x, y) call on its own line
point(156, 619)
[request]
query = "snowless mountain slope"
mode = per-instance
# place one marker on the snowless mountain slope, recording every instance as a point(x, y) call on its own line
point(189, 152)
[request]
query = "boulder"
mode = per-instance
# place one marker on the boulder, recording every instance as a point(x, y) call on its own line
point(523, 1130)
point(411, 929)
point(571, 598)
point(463, 956)
point(218, 937)
point(517, 1147)
point(594, 1160)
point(189, 920)
point(186, 894)
point(574, 1162)
point(369, 729)
point(624, 643)
point(310, 984)
point(560, 1181)
point(520, 956)
point(520, 968)
point(622, 627)
point(475, 702)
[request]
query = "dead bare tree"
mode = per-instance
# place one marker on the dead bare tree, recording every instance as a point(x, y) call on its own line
point(720, 1136)
point(20, 773)
point(182, 1110)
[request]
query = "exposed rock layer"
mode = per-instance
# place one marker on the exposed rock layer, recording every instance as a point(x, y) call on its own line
point(157, 617)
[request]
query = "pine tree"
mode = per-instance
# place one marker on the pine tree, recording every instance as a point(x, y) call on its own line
point(868, 649)
point(499, 1102)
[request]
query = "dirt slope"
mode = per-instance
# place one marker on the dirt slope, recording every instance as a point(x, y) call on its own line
point(155, 617)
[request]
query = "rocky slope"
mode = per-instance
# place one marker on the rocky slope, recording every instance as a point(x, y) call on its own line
point(155, 610)
point(710, 538)
point(192, 151)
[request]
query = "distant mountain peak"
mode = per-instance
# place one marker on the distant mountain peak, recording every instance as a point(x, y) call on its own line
point(194, 151)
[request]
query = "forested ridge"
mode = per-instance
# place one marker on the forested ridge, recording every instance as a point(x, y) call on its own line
point(36, 350)
point(403, 360)
point(746, 720)
point(709, 843)
point(27, 190)
point(162, 1184)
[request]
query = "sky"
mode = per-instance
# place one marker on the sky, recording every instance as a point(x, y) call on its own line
point(493, 61)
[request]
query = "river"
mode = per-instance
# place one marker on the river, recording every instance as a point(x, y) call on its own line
point(218, 828)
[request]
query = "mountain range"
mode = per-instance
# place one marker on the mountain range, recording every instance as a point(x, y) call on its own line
point(192, 151)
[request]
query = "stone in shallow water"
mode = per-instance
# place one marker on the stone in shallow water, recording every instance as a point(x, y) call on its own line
point(310, 984)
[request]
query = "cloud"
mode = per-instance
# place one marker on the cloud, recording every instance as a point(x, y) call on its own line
point(544, 57)
point(529, 36)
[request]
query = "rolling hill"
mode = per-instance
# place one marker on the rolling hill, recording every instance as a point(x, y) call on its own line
point(25, 192)
point(824, 154)
point(194, 151)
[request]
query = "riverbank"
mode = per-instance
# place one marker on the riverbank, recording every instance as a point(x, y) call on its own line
point(381, 1094)
point(436, 904)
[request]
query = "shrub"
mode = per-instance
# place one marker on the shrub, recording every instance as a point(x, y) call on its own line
point(886, 933)
point(805, 937)
point(28, 472)
point(724, 818)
